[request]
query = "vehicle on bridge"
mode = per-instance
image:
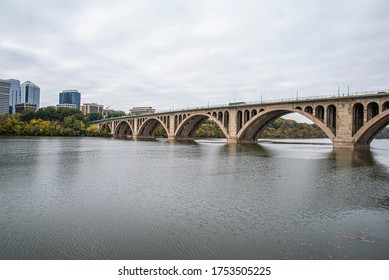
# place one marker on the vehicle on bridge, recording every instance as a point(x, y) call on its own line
point(236, 103)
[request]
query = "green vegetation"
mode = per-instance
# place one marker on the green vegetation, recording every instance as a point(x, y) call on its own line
point(283, 128)
point(209, 130)
point(93, 117)
point(160, 132)
point(280, 128)
point(50, 121)
point(116, 114)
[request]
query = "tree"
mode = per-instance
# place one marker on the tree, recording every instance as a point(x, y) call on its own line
point(73, 123)
point(39, 127)
point(160, 132)
point(47, 113)
point(93, 117)
point(116, 114)
point(11, 125)
point(28, 115)
point(61, 113)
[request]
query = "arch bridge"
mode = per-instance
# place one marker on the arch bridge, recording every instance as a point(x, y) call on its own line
point(348, 121)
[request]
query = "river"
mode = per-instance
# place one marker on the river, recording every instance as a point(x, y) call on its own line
point(94, 198)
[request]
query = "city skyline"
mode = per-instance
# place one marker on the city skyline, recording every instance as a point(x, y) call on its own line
point(174, 54)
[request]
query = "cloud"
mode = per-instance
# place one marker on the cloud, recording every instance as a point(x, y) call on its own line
point(174, 53)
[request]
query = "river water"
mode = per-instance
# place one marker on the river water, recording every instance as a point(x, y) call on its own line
point(91, 198)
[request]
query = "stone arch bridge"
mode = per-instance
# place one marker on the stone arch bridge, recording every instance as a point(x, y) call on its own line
point(348, 121)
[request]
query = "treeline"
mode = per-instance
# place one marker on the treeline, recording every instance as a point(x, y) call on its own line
point(280, 128)
point(283, 128)
point(50, 121)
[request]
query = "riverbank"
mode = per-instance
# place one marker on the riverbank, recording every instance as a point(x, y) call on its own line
point(49, 122)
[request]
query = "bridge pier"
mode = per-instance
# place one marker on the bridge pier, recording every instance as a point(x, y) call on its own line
point(232, 140)
point(349, 144)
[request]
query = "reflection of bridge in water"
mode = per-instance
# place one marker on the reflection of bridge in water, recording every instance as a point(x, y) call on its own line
point(348, 121)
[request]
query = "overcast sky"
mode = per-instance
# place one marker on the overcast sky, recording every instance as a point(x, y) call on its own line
point(175, 53)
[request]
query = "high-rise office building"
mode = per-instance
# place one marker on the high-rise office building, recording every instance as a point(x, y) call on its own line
point(30, 94)
point(70, 97)
point(4, 96)
point(14, 95)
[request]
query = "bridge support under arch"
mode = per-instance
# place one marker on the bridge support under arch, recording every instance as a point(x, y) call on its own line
point(232, 140)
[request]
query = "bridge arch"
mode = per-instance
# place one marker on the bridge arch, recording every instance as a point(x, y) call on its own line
point(319, 113)
point(367, 133)
point(239, 117)
point(308, 110)
point(251, 131)
point(331, 117)
point(358, 113)
point(226, 119)
point(149, 126)
point(124, 130)
point(220, 116)
point(372, 110)
point(187, 129)
point(385, 106)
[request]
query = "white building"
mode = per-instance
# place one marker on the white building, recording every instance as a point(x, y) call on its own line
point(67, 105)
point(142, 110)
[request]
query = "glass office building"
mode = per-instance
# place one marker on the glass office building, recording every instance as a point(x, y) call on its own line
point(70, 97)
point(30, 94)
point(14, 95)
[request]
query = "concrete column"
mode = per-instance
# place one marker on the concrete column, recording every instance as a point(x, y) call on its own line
point(171, 137)
point(325, 115)
point(171, 132)
point(136, 129)
point(364, 113)
point(232, 127)
point(344, 127)
point(113, 128)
